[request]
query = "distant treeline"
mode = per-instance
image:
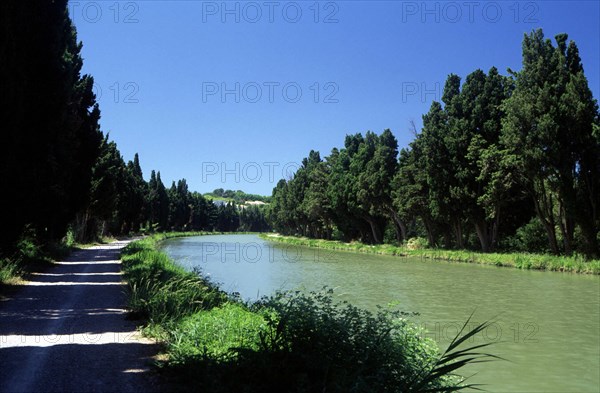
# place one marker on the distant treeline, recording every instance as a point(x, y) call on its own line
point(238, 196)
point(121, 201)
point(505, 162)
point(58, 170)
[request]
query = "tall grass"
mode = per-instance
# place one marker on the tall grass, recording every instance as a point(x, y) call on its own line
point(161, 291)
point(29, 254)
point(9, 271)
point(288, 342)
point(574, 264)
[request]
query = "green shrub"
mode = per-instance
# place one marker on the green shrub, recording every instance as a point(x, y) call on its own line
point(8, 270)
point(216, 334)
point(69, 238)
point(28, 250)
point(417, 243)
point(531, 237)
point(316, 344)
point(295, 342)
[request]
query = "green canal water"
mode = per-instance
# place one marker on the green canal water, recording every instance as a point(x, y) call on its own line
point(547, 325)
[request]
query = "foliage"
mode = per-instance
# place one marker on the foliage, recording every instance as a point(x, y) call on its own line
point(416, 243)
point(29, 253)
point(495, 152)
point(49, 118)
point(549, 141)
point(60, 172)
point(531, 237)
point(161, 291)
point(317, 344)
point(215, 335)
point(287, 342)
point(238, 196)
point(9, 270)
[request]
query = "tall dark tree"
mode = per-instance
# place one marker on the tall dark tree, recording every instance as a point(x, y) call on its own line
point(137, 190)
point(107, 193)
point(439, 173)
point(410, 189)
point(49, 117)
point(548, 131)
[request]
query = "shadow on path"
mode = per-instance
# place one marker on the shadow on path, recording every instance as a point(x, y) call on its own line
point(66, 330)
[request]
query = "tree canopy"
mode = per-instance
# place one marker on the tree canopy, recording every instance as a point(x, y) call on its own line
point(497, 157)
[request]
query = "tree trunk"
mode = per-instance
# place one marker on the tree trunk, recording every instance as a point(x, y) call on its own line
point(544, 207)
point(567, 229)
point(399, 225)
point(548, 222)
point(374, 229)
point(484, 235)
point(458, 234)
point(429, 229)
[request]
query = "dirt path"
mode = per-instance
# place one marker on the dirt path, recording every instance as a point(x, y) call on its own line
point(66, 330)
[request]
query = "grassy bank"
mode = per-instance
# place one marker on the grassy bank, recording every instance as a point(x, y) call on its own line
point(516, 260)
point(288, 342)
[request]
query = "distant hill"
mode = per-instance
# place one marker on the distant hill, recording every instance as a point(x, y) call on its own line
point(239, 197)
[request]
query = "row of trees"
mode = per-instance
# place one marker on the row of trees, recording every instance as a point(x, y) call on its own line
point(121, 201)
point(57, 168)
point(498, 156)
point(49, 117)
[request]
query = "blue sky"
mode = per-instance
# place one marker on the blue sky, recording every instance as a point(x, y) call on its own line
point(234, 94)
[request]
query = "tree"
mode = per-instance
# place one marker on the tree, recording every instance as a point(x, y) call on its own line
point(548, 133)
point(315, 205)
point(341, 190)
point(410, 190)
point(157, 202)
point(107, 193)
point(439, 172)
point(50, 118)
point(136, 191)
point(474, 118)
point(374, 182)
point(180, 207)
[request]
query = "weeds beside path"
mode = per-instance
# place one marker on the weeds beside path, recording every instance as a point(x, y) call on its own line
point(66, 329)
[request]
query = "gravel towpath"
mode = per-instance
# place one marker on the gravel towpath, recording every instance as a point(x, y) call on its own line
point(66, 329)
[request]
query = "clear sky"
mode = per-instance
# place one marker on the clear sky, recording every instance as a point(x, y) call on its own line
point(234, 94)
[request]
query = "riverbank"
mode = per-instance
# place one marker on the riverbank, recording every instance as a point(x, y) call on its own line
point(285, 342)
point(515, 260)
